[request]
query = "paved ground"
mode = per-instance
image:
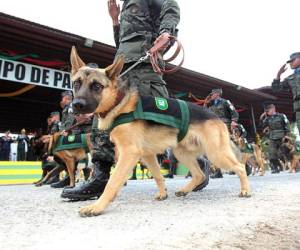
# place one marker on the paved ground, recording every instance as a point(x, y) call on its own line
point(215, 218)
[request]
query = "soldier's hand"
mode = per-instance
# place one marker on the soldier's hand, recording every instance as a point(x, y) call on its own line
point(281, 71)
point(114, 11)
point(161, 43)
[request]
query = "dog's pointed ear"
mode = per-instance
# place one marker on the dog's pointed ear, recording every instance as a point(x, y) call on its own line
point(76, 61)
point(115, 69)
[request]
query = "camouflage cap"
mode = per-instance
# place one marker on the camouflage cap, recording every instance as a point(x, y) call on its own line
point(217, 91)
point(54, 113)
point(294, 56)
point(67, 93)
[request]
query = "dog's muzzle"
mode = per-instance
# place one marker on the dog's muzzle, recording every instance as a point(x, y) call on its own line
point(79, 104)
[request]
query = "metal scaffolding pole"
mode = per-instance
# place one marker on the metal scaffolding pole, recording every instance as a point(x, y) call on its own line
point(253, 120)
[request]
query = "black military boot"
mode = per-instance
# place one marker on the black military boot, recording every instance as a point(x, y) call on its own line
point(204, 164)
point(63, 183)
point(217, 174)
point(92, 188)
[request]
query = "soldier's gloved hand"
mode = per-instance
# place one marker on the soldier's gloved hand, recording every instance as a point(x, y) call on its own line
point(114, 11)
point(281, 71)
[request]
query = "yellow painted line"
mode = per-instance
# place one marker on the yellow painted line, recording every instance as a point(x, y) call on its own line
point(16, 181)
point(20, 163)
point(20, 171)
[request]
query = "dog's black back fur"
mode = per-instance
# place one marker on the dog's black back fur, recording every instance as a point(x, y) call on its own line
point(200, 114)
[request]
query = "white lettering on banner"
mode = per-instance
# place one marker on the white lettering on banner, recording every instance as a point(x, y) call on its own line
point(32, 74)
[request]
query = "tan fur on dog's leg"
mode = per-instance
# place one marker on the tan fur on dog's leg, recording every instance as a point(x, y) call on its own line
point(189, 160)
point(152, 164)
point(124, 166)
point(294, 165)
point(220, 153)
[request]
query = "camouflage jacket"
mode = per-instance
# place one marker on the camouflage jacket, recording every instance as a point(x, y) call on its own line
point(224, 110)
point(141, 22)
point(240, 130)
point(67, 117)
point(278, 125)
point(292, 83)
point(54, 127)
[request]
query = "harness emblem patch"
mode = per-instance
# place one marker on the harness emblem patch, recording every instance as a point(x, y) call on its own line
point(71, 138)
point(161, 103)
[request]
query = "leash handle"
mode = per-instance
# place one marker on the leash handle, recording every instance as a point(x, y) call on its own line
point(154, 55)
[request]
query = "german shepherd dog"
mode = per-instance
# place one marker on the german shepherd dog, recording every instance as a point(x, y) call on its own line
point(288, 149)
point(69, 157)
point(102, 92)
point(255, 159)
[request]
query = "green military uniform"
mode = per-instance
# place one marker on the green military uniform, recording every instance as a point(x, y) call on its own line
point(103, 147)
point(67, 117)
point(292, 82)
point(225, 111)
point(278, 127)
point(141, 22)
point(49, 165)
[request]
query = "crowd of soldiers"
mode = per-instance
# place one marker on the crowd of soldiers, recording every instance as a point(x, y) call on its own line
point(137, 26)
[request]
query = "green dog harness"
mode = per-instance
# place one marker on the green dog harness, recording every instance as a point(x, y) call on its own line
point(166, 111)
point(71, 142)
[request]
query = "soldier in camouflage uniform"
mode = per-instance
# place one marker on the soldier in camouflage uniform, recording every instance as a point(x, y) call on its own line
point(67, 120)
point(223, 108)
point(55, 123)
point(292, 82)
point(226, 112)
point(47, 163)
point(278, 125)
point(141, 23)
point(67, 116)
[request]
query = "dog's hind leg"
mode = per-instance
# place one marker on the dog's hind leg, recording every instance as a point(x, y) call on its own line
point(126, 162)
point(189, 159)
point(226, 160)
point(152, 164)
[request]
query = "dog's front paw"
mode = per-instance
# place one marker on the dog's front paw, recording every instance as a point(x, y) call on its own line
point(91, 210)
point(244, 194)
point(161, 197)
point(180, 193)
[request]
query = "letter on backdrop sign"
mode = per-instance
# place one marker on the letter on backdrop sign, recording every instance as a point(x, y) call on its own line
point(32, 74)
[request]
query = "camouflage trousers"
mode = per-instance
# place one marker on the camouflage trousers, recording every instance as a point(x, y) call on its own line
point(147, 81)
point(103, 148)
point(274, 149)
